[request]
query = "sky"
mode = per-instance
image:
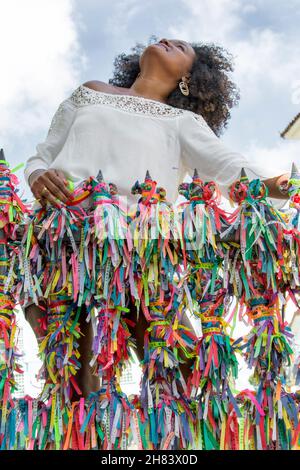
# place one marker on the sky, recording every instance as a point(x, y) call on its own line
point(49, 47)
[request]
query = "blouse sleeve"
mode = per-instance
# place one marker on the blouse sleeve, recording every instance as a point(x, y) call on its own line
point(202, 149)
point(47, 150)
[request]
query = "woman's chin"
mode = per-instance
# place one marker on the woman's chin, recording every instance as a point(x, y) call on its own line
point(157, 48)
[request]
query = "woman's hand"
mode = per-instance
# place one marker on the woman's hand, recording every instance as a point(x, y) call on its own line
point(55, 183)
point(278, 186)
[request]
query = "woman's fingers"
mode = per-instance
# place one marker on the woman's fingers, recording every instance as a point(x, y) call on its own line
point(41, 190)
point(59, 175)
point(44, 195)
point(36, 191)
point(48, 197)
point(55, 185)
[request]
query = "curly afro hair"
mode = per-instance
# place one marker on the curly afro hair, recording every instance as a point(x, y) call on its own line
point(212, 93)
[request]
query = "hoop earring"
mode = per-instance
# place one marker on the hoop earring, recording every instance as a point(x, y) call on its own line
point(184, 88)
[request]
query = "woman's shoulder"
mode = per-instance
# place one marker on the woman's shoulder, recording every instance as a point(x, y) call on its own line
point(91, 92)
point(191, 116)
point(86, 92)
point(97, 85)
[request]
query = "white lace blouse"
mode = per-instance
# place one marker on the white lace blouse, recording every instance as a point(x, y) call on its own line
point(125, 136)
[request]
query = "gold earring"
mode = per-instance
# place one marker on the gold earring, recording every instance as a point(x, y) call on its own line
point(184, 88)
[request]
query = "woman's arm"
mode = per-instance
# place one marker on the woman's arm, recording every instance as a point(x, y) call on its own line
point(37, 173)
point(47, 150)
point(202, 149)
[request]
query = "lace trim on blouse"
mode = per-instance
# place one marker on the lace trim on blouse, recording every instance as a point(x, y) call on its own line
point(84, 96)
point(56, 121)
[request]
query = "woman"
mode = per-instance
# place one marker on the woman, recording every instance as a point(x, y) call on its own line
point(163, 111)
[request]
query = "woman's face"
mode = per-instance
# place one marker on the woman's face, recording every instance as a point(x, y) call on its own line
point(173, 56)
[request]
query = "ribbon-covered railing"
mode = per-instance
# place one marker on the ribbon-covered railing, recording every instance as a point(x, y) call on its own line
point(98, 261)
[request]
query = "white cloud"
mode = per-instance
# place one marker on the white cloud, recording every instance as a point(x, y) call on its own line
point(249, 8)
point(122, 11)
point(260, 52)
point(266, 58)
point(280, 156)
point(208, 20)
point(41, 60)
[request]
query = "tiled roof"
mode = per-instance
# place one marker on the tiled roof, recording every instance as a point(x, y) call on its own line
point(290, 125)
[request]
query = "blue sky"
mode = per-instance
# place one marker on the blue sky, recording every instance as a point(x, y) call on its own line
point(51, 46)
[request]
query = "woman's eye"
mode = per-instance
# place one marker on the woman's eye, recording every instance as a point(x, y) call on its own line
point(181, 47)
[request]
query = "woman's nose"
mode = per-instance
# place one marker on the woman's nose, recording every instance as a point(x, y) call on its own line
point(165, 41)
